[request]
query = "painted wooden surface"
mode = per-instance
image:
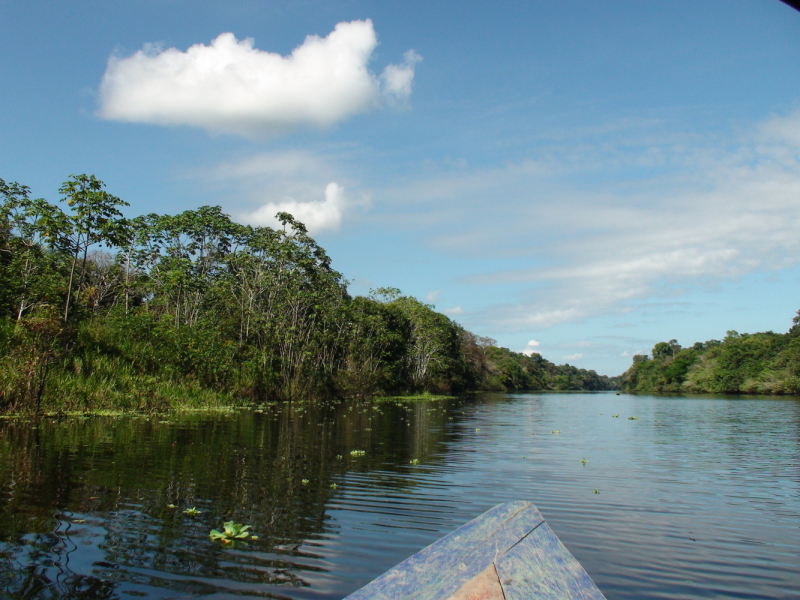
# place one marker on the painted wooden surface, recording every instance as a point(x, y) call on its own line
point(508, 553)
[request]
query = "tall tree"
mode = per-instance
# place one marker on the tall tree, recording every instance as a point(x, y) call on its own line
point(95, 219)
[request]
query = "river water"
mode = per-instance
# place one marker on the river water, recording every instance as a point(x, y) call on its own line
point(697, 497)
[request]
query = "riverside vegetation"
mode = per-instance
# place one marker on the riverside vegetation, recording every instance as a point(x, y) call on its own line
point(759, 363)
point(98, 311)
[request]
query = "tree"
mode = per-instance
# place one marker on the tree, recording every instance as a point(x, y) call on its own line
point(95, 219)
point(794, 331)
point(29, 229)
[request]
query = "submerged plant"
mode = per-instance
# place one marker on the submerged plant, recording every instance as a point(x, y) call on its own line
point(231, 531)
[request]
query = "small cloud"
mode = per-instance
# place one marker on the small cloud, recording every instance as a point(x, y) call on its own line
point(625, 354)
point(431, 297)
point(316, 215)
point(230, 86)
point(576, 356)
point(453, 312)
point(397, 79)
point(531, 348)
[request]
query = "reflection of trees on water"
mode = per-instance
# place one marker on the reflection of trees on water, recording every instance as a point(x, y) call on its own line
point(38, 566)
point(110, 482)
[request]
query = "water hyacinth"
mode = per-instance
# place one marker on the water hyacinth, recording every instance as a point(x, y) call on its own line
point(231, 531)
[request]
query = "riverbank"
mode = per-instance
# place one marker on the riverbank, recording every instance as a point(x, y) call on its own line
point(759, 363)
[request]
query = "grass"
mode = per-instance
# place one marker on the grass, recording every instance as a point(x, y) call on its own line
point(414, 398)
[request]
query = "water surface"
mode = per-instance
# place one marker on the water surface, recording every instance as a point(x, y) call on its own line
point(695, 498)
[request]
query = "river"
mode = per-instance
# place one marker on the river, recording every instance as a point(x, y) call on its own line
point(695, 497)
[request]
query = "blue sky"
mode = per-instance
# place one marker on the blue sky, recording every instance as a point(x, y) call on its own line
point(592, 177)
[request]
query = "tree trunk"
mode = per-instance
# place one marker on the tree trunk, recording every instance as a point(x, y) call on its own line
point(69, 285)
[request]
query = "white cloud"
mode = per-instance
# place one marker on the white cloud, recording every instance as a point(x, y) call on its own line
point(619, 216)
point(397, 79)
point(531, 348)
point(431, 297)
point(291, 181)
point(573, 357)
point(625, 354)
point(315, 215)
point(230, 86)
point(454, 312)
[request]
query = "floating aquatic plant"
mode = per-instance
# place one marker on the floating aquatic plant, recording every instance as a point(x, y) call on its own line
point(171, 506)
point(414, 461)
point(304, 482)
point(633, 418)
point(192, 512)
point(615, 416)
point(584, 461)
point(596, 491)
point(334, 486)
point(231, 531)
point(357, 452)
point(556, 431)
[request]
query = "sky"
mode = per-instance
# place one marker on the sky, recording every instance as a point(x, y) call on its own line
point(577, 179)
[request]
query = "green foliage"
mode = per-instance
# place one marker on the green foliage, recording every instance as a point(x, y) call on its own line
point(760, 363)
point(512, 371)
point(230, 531)
point(98, 311)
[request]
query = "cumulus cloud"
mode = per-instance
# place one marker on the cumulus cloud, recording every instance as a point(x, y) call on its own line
point(454, 312)
point(531, 348)
point(397, 79)
point(315, 188)
point(317, 216)
point(431, 297)
point(574, 357)
point(230, 86)
point(625, 354)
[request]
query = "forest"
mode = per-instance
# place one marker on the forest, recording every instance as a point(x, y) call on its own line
point(101, 311)
point(742, 363)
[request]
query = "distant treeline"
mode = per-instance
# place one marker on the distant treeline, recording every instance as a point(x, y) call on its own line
point(758, 363)
point(101, 311)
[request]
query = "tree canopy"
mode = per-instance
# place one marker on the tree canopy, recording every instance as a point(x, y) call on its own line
point(100, 310)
